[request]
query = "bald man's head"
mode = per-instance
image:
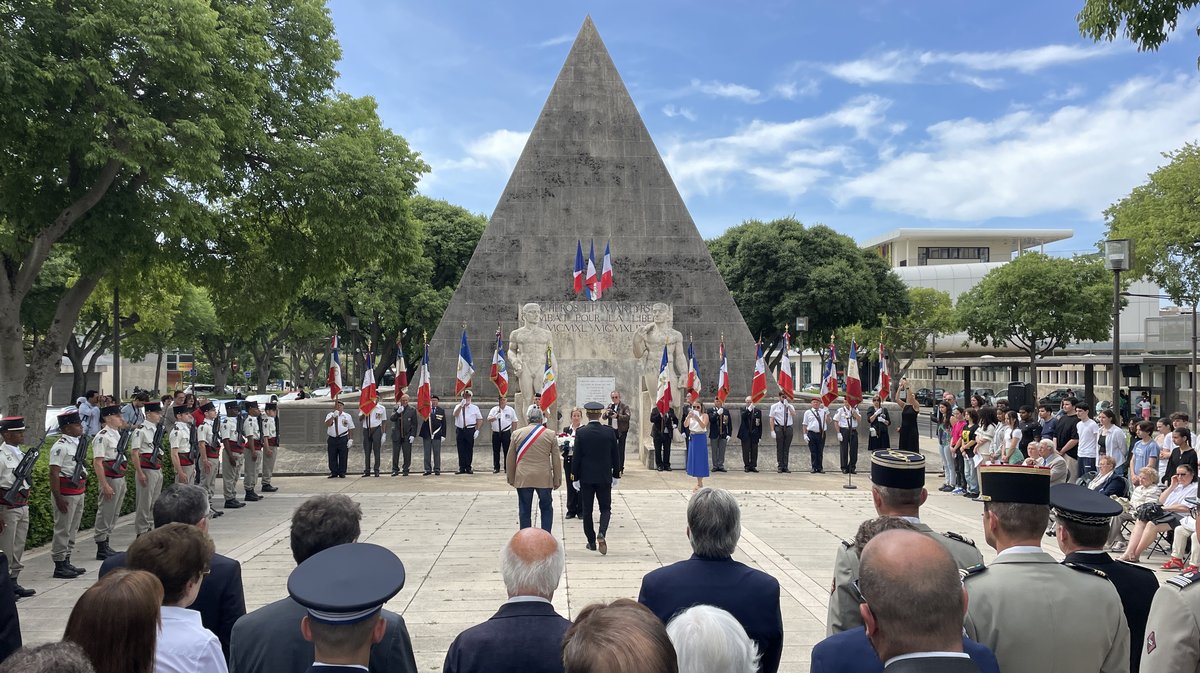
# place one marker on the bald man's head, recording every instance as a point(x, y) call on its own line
point(532, 564)
point(899, 569)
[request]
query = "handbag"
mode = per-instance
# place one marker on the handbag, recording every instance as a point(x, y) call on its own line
point(1149, 511)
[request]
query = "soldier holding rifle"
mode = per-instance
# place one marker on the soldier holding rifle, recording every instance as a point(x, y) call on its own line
point(16, 468)
point(147, 442)
point(68, 481)
point(109, 459)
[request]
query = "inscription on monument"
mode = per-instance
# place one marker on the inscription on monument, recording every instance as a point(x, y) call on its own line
point(594, 330)
point(594, 389)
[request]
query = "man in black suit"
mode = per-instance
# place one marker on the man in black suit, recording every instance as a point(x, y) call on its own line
point(269, 640)
point(526, 635)
point(1083, 517)
point(596, 467)
point(750, 432)
point(662, 431)
point(10, 623)
point(221, 600)
point(712, 577)
point(720, 426)
point(901, 569)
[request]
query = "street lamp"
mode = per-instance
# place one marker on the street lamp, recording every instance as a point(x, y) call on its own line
point(801, 328)
point(1118, 257)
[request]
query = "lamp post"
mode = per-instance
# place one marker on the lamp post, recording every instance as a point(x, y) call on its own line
point(1118, 255)
point(801, 328)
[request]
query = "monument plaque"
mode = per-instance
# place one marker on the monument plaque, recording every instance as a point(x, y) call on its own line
point(594, 389)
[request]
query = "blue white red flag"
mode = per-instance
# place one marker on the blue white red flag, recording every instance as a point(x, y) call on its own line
point(723, 375)
point(424, 389)
point(693, 375)
point(663, 398)
point(334, 380)
point(578, 267)
point(466, 368)
point(500, 366)
point(368, 397)
point(590, 283)
point(606, 270)
point(784, 376)
point(829, 382)
point(853, 383)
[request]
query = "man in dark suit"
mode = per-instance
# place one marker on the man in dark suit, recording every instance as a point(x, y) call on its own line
point(221, 600)
point(662, 431)
point(617, 417)
point(750, 432)
point(850, 652)
point(900, 569)
point(720, 426)
point(712, 577)
point(1083, 517)
point(526, 635)
point(596, 468)
point(405, 425)
point(269, 639)
point(10, 623)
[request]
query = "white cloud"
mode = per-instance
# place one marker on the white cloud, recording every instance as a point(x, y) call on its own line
point(673, 111)
point(727, 90)
point(905, 66)
point(1077, 158)
point(497, 151)
point(792, 90)
point(555, 41)
point(1070, 93)
point(792, 182)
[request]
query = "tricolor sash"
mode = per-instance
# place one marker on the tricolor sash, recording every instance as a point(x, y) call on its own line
point(528, 441)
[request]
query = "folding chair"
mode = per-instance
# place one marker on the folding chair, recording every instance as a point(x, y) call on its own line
point(1162, 543)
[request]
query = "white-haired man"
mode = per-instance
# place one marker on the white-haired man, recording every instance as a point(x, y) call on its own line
point(710, 640)
point(533, 465)
point(526, 635)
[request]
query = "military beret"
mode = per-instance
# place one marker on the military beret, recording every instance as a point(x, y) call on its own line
point(1015, 484)
point(347, 583)
point(1083, 505)
point(897, 469)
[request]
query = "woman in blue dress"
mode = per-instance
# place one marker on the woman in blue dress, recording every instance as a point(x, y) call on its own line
point(697, 448)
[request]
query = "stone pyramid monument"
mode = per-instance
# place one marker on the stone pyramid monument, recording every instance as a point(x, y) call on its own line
point(591, 173)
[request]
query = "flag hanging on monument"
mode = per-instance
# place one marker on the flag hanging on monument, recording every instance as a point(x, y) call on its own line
point(885, 378)
point(663, 401)
point(549, 384)
point(500, 366)
point(693, 375)
point(466, 368)
point(784, 376)
point(829, 382)
point(369, 395)
point(606, 271)
point(401, 382)
point(758, 384)
point(578, 267)
point(334, 380)
point(424, 390)
point(853, 383)
point(589, 282)
point(723, 375)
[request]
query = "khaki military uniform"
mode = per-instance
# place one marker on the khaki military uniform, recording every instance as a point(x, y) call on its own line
point(843, 612)
point(252, 430)
point(180, 441)
point(270, 438)
point(231, 458)
point(1173, 628)
point(72, 482)
point(142, 445)
point(104, 447)
point(16, 519)
point(210, 456)
point(1039, 615)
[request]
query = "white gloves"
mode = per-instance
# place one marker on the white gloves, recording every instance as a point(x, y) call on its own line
point(476, 435)
point(349, 443)
point(412, 439)
point(615, 482)
point(575, 484)
point(772, 434)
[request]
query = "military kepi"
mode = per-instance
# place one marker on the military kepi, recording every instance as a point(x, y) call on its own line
point(12, 424)
point(897, 469)
point(1014, 483)
point(593, 406)
point(1082, 505)
point(69, 418)
point(347, 583)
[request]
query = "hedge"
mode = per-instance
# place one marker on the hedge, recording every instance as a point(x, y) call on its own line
point(41, 502)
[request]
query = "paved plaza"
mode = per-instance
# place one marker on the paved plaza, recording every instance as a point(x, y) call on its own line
point(449, 529)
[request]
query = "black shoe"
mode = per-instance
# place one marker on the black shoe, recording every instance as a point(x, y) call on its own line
point(396, 472)
point(341, 476)
point(745, 469)
point(591, 546)
point(74, 568)
point(62, 572)
point(103, 551)
point(332, 476)
point(972, 495)
point(212, 514)
point(820, 471)
point(668, 468)
point(436, 472)
point(460, 472)
point(234, 504)
point(572, 516)
point(22, 592)
point(367, 473)
point(495, 470)
point(784, 470)
point(470, 470)
point(754, 469)
point(267, 488)
point(426, 474)
point(718, 469)
point(251, 496)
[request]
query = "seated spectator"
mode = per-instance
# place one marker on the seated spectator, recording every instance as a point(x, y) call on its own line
point(222, 600)
point(1145, 490)
point(526, 635)
point(621, 637)
point(1107, 481)
point(710, 640)
point(1185, 533)
point(712, 577)
point(269, 640)
point(177, 554)
point(1165, 515)
point(1042, 454)
point(63, 657)
point(124, 645)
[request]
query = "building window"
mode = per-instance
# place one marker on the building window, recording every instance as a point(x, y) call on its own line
point(965, 254)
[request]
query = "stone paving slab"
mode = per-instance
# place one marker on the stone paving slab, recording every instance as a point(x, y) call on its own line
point(449, 530)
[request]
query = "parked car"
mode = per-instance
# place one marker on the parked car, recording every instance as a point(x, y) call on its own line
point(1055, 397)
point(988, 395)
point(929, 397)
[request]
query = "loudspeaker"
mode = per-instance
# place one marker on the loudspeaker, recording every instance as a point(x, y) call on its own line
point(1020, 394)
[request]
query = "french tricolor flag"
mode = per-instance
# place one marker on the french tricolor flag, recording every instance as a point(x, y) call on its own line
point(589, 281)
point(578, 267)
point(334, 381)
point(606, 272)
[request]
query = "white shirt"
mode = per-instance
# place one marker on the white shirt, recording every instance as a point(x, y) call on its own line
point(845, 418)
point(1089, 438)
point(185, 646)
point(814, 420)
point(343, 424)
point(1022, 549)
point(502, 419)
point(466, 415)
point(376, 418)
point(783, 413)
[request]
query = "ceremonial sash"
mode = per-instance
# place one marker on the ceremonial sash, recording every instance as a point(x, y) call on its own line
point(528, 441)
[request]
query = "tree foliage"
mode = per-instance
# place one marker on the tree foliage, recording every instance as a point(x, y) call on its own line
point(1146, 23)
point(1038, 303)
point(1162, 218)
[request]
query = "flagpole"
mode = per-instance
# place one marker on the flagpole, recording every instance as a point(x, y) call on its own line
point(851, 430)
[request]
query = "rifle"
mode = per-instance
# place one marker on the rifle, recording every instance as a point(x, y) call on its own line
point(193, 444)
point(17, 495)
point(121, 463)
point(156, 450)
point(80, 461)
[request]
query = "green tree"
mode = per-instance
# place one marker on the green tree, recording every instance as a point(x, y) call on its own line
point(1162, 218)
point(1038, 303)
point(780, 270)
point(1147, 23)
point(931, 316)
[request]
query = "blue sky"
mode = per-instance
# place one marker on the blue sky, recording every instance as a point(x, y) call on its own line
point(865, 116)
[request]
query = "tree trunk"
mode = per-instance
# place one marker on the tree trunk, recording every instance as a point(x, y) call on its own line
point(78, 375)
point(158, 372)
point(1033, 374)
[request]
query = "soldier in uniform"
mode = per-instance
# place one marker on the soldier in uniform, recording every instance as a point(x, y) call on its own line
point(1173, 629)
point(146, 443)
point(231, 460)
point(720, 426)
point(207, 437)
point(68, 481)
point(180, 441)
point(750, 433)
point(1083, 517)
point(270, 440)
point(252, 431)
point(109, 459)
point(1016, 605)
point(898, 489)
point(14, 513)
